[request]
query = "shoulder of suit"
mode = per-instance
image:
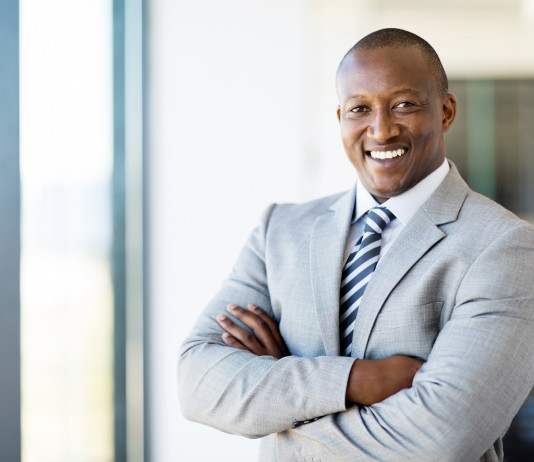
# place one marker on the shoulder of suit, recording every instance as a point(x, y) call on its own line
point(310, 209)
point(480, 205)
point(490, 220)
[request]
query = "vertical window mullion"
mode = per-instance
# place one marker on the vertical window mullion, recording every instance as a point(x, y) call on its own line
point(119, 234)
point(10, 421)
point(128, 240)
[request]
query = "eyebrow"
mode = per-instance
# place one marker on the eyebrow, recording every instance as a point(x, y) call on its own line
point(406, 90)
point(402, 91)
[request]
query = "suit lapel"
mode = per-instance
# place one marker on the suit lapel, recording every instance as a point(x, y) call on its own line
point(421, 233)
point(327, 245)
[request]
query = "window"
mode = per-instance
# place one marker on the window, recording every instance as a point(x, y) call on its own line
point(81, 278)
point(66, 158)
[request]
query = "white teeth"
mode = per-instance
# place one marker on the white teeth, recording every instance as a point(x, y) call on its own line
point(387, 154)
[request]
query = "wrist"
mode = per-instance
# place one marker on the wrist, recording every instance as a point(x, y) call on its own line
point(354, 382)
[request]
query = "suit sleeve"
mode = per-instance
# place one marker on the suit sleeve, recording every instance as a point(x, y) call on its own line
point(234, 390)
point(478, 374)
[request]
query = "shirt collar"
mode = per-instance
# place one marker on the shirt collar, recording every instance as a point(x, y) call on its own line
point(406, 204)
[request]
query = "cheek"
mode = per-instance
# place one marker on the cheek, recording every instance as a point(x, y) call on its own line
point(430, 143)
point(352, 142)
point(428, 135)
point(351, 130)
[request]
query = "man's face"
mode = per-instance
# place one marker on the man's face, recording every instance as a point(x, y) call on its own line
point(392, 118)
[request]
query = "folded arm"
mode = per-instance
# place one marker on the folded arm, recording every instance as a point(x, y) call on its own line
point(370, 380)
point(478, 374)
point(239, 392)
point(234, 381)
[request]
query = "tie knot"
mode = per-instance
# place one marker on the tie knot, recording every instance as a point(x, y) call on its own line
point(377, 220)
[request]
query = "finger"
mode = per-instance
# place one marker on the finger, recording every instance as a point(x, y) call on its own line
point(267, 331)
point(247, 338)
point(275, 343)
point(271, 323)
point(231, 341)
point(259, 326)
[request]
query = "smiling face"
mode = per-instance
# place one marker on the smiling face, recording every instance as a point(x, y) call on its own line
point(392, 118)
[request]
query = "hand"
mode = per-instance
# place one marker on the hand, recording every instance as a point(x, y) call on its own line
point(374, 380)
point(265, 338)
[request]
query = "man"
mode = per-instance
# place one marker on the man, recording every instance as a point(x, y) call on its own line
point(426, 355)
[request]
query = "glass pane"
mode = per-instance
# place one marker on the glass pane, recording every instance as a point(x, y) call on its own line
point(504, 136)
point(66, 289)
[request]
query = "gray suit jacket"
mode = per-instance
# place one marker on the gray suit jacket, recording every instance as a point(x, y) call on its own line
point(455, 289)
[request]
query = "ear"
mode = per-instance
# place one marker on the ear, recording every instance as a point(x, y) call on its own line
point(449, 112)
point(338, 114)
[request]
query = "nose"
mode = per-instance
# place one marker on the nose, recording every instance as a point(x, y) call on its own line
point(382, 126)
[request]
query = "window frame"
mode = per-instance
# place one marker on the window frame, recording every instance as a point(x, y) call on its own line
point(10, 371)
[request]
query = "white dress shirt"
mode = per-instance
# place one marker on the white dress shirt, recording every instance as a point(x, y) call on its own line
point(403, 206)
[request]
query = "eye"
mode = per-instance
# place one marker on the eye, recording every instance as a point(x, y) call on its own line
point(359, 109)
point(404, 104)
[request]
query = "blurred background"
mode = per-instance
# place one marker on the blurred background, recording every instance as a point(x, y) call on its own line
point(141, 139)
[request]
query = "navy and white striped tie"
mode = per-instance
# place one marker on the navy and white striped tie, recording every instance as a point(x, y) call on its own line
point(358, 271)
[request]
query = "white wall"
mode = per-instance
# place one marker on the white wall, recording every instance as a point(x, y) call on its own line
point(241, 112)
point(224, 142)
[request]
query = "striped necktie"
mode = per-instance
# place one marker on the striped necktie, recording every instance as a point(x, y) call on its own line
point(358, 271)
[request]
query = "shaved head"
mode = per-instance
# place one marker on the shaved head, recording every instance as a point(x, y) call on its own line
point(398, 38)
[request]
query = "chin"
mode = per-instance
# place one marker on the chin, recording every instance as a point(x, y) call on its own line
point(385, 192)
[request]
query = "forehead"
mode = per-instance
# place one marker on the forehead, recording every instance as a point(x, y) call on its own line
point(383, 71)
